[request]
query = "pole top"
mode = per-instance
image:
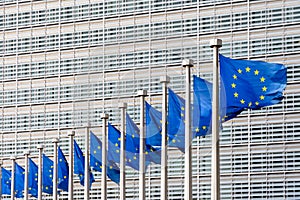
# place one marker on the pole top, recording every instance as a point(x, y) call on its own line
point(123, 105)
point(55, 140)
point(187, 63)
point(104, 116)
point(71, 133)
point(27, 152)
point(216, 43)
point(142, 93)
point(40, 146)
point(165, 79)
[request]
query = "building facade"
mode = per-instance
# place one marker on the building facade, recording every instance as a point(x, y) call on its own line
point(64, 62)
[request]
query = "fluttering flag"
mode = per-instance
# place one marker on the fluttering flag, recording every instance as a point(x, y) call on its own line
point(19, 181)
point(6, 181)
point(176, 117)
point(113, 171)
point(62, 171)
point(47, 175)
point(79, 164)
point(32, 178)
point(251, 84)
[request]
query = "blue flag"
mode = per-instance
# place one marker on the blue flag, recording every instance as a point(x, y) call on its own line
point(79, 164)
point(32, 178)
point(19, 181)
point(62, 171)
point(6, 181)
point(113, 171)
point(176, 112)
point(251, 84)
point(47, 175)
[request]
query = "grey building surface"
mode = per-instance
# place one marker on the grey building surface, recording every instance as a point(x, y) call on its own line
point(64, 62)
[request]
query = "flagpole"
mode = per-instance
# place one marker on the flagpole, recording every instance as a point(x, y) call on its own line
point(40, 172)
point(215, 160)
point(26, 175)
point(71, 134)
point(104, 117)
point(142, 94)
point(164, 149)
point(123, 107)
point(55, 141)
point(87, 164)
point(188, 195)
point(12, 186)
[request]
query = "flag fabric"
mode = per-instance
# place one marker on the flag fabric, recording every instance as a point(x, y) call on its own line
point(113, 171)
point(33, 179)
point(19, 181)
point(6, 181)
point(176, 117)
point(62, 171)
point(47, 175)
point(252, 84)
point(79, 164)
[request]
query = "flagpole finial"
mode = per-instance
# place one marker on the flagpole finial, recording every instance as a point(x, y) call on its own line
point(187, 63)
point(215, 43)
point(123, 105)
point(104, 116)
point(27, 152)
point(165, 79)
point(55, 140)
point(40, 146)
point(142, 93)
point(71, 133)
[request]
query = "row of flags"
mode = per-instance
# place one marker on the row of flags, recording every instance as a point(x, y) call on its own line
point(244, 85)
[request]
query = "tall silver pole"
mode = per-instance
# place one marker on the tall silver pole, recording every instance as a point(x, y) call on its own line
point(71, 134)
point(87, 164)
point(188, 179)
point(215, 160)
point(142, 94)
point(12, 186)
point(123, 107)
point(26, 175)
point(55, 141)
point(40, 172)
point(104, 117)
point(164, 149)
point(1, 162)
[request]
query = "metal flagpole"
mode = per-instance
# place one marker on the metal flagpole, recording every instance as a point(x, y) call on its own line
point(12, 186)
point(215, 160)
point(123, 107)
point(104, 157)
point(164, 149)
point(188, 63)
point(55, 141)
point(71, 134)
point(142, 94)
point(26, 175)
point(87, 164)
point(40, 172)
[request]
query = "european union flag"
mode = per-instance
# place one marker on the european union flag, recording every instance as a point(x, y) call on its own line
point(176, 117)
point(113, 171)
point(47, 175)
point(62, 171)
point(79, 164)
point(252, 84)
point(19, 181)
point(6, 181)
point(32, 178)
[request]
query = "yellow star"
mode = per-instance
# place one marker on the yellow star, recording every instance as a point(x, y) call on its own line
point(118, 151)
point(132, 135)
point(65, 177)
point(95, 152)
point(250, 104)
point(236, 95)
point(134, 157)
point(181, 114)
point(240, 71)
point(197, 129)
point(262, 97)
point(204, 127)
point(256, 72)
point(116, 144)
point(182, 108)
point(234, 76)
point(99, 147)
point(242, 101)
point(233, 85)
point(174, 141)
point(110, 167)
point(248, 69)
point(256, 103)
point(119, 139)
point(264, 89)
point(262, 79)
